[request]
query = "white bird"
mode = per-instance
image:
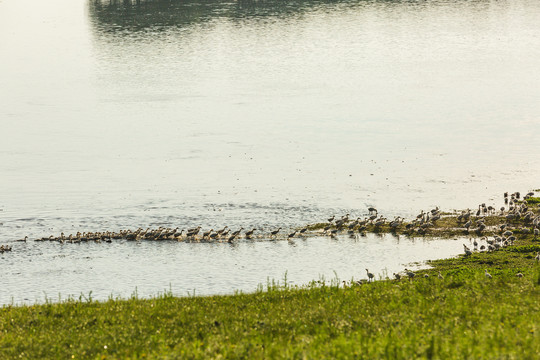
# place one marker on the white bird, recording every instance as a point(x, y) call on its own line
point(440, 276)
point(488, 275)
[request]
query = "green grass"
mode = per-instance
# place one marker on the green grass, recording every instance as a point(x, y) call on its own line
point(465, 315)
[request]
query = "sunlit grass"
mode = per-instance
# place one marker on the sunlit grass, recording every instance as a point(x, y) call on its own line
point(465, 315)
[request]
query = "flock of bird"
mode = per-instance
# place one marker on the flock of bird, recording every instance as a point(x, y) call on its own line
point(468, 220)
point(333, 227)
point(197, 234)
point(371, 277)
point(517, 210)
point(190, 235)
point(4, 248)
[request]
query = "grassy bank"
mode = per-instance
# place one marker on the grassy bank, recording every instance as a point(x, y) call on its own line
point(464, 315)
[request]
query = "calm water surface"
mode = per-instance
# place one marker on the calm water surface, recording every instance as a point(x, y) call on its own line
point(245, 113)
point(39, 271)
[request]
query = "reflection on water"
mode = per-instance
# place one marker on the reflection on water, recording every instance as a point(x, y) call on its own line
point(34, 271)
point(128, 16)
point(266, 113)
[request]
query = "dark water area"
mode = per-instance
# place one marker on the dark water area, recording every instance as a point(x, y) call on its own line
point(127, 114)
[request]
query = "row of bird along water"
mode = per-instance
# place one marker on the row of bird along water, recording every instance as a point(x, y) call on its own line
point(151, 260)
point(373, 222)
point(34, 270)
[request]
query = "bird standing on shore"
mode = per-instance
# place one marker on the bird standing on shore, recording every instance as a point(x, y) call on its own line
point(370, 275)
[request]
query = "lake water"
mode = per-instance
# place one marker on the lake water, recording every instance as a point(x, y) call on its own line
point(118, 114)
point(33, 272)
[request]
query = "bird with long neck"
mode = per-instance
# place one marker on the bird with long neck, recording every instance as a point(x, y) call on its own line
point(220, 232)
point(249, 233)
point(370, 275)
point(410, 274)
point(237, 232)
point(275, 232)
